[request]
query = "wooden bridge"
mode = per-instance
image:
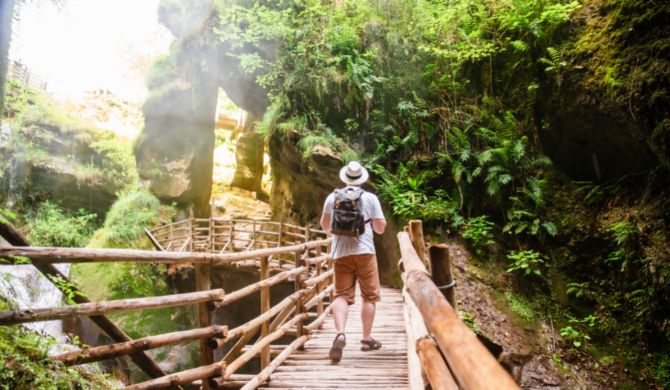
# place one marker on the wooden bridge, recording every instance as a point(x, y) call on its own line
point(425, 344)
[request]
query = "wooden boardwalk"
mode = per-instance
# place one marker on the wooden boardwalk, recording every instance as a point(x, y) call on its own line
point(385, 368)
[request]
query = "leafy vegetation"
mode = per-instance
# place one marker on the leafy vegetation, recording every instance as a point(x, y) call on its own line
point(527, 262)
point(26, 365)
point(51, 226)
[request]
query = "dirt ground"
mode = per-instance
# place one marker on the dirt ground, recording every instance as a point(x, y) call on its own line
point(538, 355)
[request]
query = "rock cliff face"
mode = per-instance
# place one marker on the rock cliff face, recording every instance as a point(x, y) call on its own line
point(249, 150)
point(175, 151)
point(606, 110)
point(48, 161)
point(300, 186)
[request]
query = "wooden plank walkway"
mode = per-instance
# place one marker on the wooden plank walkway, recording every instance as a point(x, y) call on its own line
point(385, 368)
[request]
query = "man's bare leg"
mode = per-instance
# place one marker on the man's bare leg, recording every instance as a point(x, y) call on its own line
point(340, 313)
point(368, 318)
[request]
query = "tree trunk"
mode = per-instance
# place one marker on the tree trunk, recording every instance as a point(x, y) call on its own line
point(6, 13)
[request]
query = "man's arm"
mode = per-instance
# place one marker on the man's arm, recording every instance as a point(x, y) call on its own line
point(325, 222)
point(379, 225)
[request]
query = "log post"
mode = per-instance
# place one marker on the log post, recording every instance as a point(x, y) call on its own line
point(211, 235)
point(442, 276)
point(298, 287)
point(319, 266)
point(281, 233)
point(265, 306)
point(308, 233)
point(202, 273)
point(142, 360)
point(416, 229)
point(434, 366)
point(191, 245)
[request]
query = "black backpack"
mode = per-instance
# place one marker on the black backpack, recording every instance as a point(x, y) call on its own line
point(348, 219)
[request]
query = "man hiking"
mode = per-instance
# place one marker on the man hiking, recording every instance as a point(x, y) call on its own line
point(351, 215)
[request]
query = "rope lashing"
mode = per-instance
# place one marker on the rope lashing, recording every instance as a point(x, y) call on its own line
point(446, 286)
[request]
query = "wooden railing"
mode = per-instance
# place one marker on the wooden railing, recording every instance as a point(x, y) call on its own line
point(433, 326)
point(296, 254)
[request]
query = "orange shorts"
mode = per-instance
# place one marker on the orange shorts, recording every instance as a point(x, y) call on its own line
point(363, 268)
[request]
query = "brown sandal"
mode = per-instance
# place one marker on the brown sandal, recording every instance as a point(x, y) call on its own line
point(335, 353)
point(370, 345)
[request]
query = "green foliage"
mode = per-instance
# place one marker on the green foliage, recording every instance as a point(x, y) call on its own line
point(411, 196)
point(479, 231)
point(26, 365)
point(577, 338)
point(527, 207)
point(621, 231)
point(117, 161)
point(129, 216)
point(51, 226)
point(578, 289)
point(520, 305)
point(69, 289)
point(6, 216)
point(528, 262)
point(139, 280)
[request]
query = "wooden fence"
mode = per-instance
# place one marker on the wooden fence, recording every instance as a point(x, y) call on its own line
point(295, 254)
point(442, 350)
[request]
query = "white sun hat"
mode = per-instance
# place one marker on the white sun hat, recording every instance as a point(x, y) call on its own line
point(354, 174)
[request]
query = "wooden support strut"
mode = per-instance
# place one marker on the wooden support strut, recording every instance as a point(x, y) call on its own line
point(143, 361)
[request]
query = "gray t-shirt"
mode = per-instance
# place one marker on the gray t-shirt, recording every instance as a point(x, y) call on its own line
point(346, 246)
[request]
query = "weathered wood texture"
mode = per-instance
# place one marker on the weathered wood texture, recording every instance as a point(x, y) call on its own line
point(442, 276)
point(94, 308)
point(95, 354)
point(43, 255)
point(386, 368)
point(470, 362)
point(143, 361)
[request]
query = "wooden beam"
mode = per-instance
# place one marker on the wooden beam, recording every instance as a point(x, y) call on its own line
point(276, 362)
point(434, 366)
point(252, 288)
point(104, 352)
point(153, 240)
point(43, 255)
point(256, 322)
point(215, 369)
point(9, 317)
point(143, 361)
point(470, 362)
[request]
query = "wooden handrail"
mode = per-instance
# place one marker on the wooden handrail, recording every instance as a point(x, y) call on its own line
point(143, 361)
point(204, 238)
point(470, 362)
point(104, 352)
point(44, 255)
point(9, 317)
